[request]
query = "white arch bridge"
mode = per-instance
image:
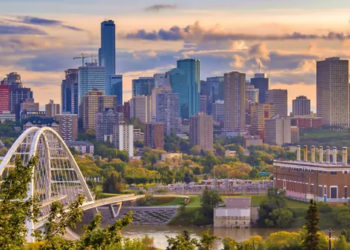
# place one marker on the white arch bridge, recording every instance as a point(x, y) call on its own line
point(56, 176)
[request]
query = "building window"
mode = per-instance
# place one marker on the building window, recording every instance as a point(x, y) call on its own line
point(334, 192)
point(320, 191)
point(325, 191)
point(345, 192)
point(333, 173)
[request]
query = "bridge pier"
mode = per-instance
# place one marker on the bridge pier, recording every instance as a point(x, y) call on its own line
point(111, 207)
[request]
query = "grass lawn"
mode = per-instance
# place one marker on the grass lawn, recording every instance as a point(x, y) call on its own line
point(324, 134)
point(195, 201)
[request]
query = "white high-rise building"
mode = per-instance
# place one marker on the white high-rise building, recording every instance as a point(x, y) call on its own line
point(278, 130)
point(234, 99)
point(90, 77)
point(332, 86)
point(168, 111)
point(123, 138)
point(141, 108)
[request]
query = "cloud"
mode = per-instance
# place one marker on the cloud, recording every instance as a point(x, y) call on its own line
point(44, 22)
point(199, 34)
point(238, 62)
point(159, 7)
point(7, 29)
point(259, 51)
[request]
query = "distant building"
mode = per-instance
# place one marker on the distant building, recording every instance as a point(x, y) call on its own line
point(17, 96)
point(295, 135)
point(13, 79)
point(278, 130)
point(123, 138)
point(105, 121)
point(307, 122)
point(116, 82)
point(235, 213)
point(301, 106)
point(169, 156)
point(213, 88)
point(230, 153)
point(83, 147)
point(163, 85)
point(252, 140)
point(141, 108)
point(201, 131)
point(218, 110)
point(332, 87)
point(154, 135)
point(279, 98)
point(203, 104)
point(52, 109)
point(127, 111)
point(41, 123)
point(27, 114)
point(67, 90)
point(234, 100)
point(90, 77)
point(184, 127)
point(7, 116)
point(93, 102)
point(5, 98)
point(261, 82)
point(179, 81)
point(143, 86)
point(259, 114)
point(251, 93)
point(167, 111)
point(139, 135)
point(68, 126)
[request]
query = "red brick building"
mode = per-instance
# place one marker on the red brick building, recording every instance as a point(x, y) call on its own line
point(5, 98)
point(307, 122)
point(323, 180)
point(154, 135)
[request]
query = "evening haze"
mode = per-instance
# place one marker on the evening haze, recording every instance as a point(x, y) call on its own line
point(39, 39)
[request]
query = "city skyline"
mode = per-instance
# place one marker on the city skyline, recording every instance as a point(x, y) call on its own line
point(39, 43)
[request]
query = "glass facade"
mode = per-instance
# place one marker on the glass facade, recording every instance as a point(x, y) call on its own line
point(179, 86)
point(117, 88)
point(143, 86)
point(261, 82)
point(191, 67)
point(107, 52)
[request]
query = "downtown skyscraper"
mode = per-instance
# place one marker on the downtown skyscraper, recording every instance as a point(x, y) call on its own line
point(106, 54)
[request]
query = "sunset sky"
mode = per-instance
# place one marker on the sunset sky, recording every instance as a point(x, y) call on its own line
point(39, 38)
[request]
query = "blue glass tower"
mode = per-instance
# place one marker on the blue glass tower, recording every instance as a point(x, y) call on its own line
point(261, 82)
point(143, 86)
point(179, 85)
point(117, 88)
point(107, 52)
point(191, 67)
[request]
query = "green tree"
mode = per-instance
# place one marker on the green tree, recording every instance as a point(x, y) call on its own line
point(282, 217)
point(207, 241)
point(15, 206)
point(209, 200)
point(229, 244)
point(182, 242)
point(312, 239)
point(114, 183)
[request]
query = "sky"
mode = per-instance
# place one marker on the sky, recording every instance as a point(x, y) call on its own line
point(39, 38)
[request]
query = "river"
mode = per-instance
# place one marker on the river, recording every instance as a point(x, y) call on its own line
point(159, 233)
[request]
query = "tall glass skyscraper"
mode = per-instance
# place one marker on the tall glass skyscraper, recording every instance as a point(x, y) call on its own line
point(191, 67)
point(143, 86)
point(107, 52)
point(261, 82)
point(117, 88)
point(179, 85)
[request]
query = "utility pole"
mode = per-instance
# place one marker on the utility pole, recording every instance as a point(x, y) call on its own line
point(330, 239)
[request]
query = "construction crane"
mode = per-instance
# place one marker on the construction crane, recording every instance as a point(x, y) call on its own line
point(83, 56)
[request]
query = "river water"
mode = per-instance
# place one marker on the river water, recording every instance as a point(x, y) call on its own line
point(159, 233)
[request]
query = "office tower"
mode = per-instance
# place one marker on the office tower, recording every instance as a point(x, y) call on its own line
point(117, 87)
point(29, 106)
point(18, 95)
point(203, 104)
point(75, 99)
point(52, 109)
point(107, 54)
point(123, 138)
point(95, 101)
point(191, 67)
point(201, 131)
point(141, 108)
point(218, 110)
point(143, 86)
point(71, 78)
point(127, 111)
point(68, 126)
point(154, 135)
point(260, 82)
point(167, 111)
point(301, 106)
point(158, 79)
point(260, 112)
point(295, 138)
point(105, 121)
point(164, 86)
point(279, 98)
point(90, 77)
point(5, 98)
point(213, 88)
point(278, 130)
point(332, 85)
point(13, 79)
point(234, 90)
point(179, 86)
point(251, 93)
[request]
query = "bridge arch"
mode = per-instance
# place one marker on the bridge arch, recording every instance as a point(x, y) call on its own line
point(56, 176)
